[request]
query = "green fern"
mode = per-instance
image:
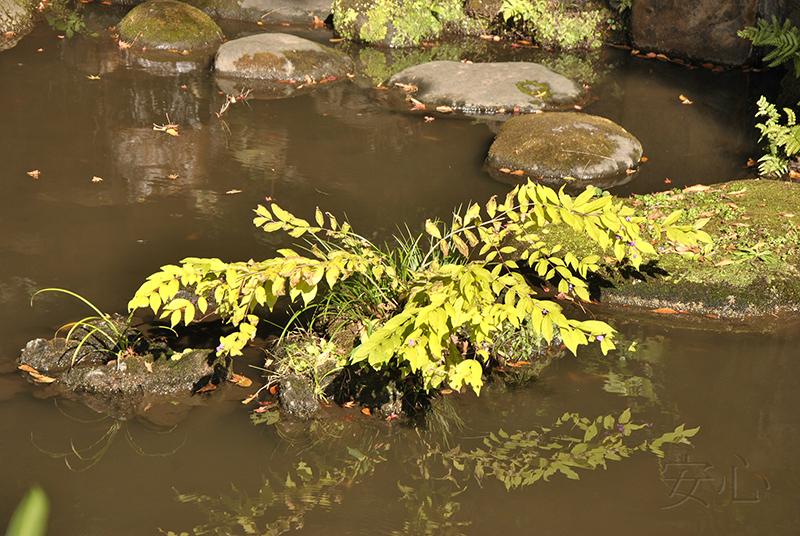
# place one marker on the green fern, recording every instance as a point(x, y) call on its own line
point(784, 140)
point(785, 39)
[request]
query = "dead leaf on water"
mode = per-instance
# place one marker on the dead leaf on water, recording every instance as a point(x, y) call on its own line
point(97, 179)
point(93, 77)
point(249, 398)
point(444, 109)
point(794, 175)
point(172, 132)
point(207, 387)
point(233, 192)
point(28, 368)
point(684, 100)
point(35, 173)
point(241, 381)
point(366, 411)
point(349, 404)
point(664, 311)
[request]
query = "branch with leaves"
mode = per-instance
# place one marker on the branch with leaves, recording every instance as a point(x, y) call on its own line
point(466, 282)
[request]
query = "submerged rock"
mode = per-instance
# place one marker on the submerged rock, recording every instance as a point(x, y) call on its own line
point(16, 20)
point(276, 65)
point(168, 25)
point(564, 148)
point(481, 88)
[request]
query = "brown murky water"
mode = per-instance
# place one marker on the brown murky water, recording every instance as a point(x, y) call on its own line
point(337, 149)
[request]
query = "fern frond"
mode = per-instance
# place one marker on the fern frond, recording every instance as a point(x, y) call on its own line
point(785, 38)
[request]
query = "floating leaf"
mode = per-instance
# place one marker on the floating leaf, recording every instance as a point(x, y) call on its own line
point(35, 173)
point(241, 381)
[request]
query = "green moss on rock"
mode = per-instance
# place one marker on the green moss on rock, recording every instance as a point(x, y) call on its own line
point(169, 25)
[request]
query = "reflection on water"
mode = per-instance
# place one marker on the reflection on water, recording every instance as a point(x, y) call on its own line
point(166, 197)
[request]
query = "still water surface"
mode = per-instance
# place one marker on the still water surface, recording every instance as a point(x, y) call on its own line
point(337, 149)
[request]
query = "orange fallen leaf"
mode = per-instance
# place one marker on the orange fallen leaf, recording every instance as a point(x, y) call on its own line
point(349, 404)
point(667, 181)
point(229, 192)
point(97, 179)
point(738, 193)
point(172, 132)
point(518, 172)
point(41, 378)
point(794, 175)
point(517, 363)
point(366, 411)
point(786, 214)
point(206, 388)
point(172, 176)
point(644, 159)
point(149, 366)
point(684, 100)
point(751, 162)
point(28, 368)
point(504, 170)
point(712, 316)
point(444, 109)
point(249, 398)
point(724, 262)
point(318, 21)
point(664, 310)
point(35, 173)
point(241, 381)
point(273, 389)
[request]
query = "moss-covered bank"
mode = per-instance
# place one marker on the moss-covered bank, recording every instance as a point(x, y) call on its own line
point(751, 270)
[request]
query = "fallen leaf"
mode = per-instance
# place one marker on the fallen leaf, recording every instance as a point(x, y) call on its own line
point(794, 175)
point(349, 404)
point(517, 363)
point(428, 118)
point(207, 387)
point(634, 51)
point(318, 21)
point(518, 173)
point(172, 132)
point(696, 188)
point(366, 411)
point(233, 192)
point(786, 214)
point(577, 107)
point(173, 176)
point(751, 162)
point(149, 366)
point(445, 391)
point(241, 381)
point(35, 173)
point(41, 378)
point(261, 409)
point(97, 179)
point(651, 55)
point(504, 170)
point(664, 310)
point(644, 159)
point(738, 192)
point(28, 368)
point(724, 262)
point(667, 181)
point(684, 100)
point(273, 389)
point(250, 398)
point(92, 77)
point(630, 171)
point(712, 316)
point(123, 45)
point(444, 109)
point(662, 57)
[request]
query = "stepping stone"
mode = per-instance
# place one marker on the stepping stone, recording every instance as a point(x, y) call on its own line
point(481, 88)
point(564, 148)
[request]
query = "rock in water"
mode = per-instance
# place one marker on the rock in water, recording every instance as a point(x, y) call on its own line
point(560, 148)
point(275, 65)
point(482, 88)
point(167, 25)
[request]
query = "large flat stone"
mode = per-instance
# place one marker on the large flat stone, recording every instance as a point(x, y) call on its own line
point(488, 88)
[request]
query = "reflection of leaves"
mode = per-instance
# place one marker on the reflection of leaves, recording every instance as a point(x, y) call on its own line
point(524, 458)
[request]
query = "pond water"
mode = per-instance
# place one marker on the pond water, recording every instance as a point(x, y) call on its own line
point(337, 149)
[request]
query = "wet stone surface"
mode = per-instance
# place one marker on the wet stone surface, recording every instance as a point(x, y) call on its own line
point(483, 88)
point(169, 25)
point(278, 65)
point(564, 148)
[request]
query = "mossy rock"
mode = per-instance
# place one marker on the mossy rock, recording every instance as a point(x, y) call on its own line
point(167, 25)
point(16, 21)
point(562, 148)
point(278, 64)
point(500, 89)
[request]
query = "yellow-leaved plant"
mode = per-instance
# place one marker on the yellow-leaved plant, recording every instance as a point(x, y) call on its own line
point(467, 281)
